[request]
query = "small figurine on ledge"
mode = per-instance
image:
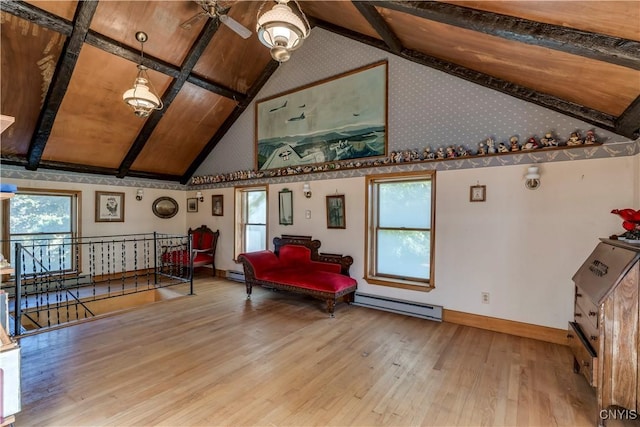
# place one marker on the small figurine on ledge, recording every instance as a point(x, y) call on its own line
point(502, 148)
point(531, 144)
point(590, 138)
point(491, 146)
point(548, 140)
point(451, 152)
point(514, 143)
point(574, 139)
point(462, 152)
point(427, 154)
point(482, 149)
point(440, 153)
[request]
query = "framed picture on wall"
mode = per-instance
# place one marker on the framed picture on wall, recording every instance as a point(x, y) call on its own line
point(336, 217)
point(285, 207)
point(217, 205)
point(109, 206)
point(192, 204)
point(340, 118)
point(478, 193)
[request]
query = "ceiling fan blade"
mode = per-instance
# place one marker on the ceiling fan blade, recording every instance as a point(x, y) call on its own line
point(239, 29)
point(186, 25)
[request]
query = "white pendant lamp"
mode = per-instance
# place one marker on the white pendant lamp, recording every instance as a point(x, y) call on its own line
point(142, 97)
point(281, 30)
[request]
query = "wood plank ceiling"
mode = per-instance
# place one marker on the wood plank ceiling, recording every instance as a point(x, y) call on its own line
point(65, 65)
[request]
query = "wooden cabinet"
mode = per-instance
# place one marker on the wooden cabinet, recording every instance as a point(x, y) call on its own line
point(605, 333)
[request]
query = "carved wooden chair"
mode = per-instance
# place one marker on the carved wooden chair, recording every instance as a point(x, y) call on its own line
point(202, 253)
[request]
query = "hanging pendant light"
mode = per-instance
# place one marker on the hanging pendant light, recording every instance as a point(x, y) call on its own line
point(142, 97)
point(281, 30)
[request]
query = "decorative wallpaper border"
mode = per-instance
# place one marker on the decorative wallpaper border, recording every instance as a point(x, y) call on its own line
point(19, 172)
point(559, 154)
point(582, 152)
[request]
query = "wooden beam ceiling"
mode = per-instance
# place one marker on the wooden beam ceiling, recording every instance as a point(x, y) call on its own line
point(60, 81)
point(614, 50)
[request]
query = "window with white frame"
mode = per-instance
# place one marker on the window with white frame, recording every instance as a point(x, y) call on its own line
point(45, 222)
point(251, 219)
point(400, 230)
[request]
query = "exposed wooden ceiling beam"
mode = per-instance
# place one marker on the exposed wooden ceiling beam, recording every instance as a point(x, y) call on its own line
point(594, 117)
point(271, 67)
point(190, 61)
point(370, 13)
point(601, 47)
point(61, 25)
point(628, 123)
point(60, 81)
point(38, 16)
point(121, 50)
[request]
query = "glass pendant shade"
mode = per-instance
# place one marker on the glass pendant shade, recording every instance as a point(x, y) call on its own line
point(140, 97)
point(281, 30)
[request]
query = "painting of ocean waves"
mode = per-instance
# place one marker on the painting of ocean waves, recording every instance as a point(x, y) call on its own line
point(340, 119)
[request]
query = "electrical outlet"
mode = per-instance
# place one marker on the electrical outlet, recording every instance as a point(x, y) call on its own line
point(307, 214)
point(485, 297)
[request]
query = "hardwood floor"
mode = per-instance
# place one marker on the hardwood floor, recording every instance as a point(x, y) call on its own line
point(218, 359)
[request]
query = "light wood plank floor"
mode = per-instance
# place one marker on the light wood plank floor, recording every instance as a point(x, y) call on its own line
point(279, 360)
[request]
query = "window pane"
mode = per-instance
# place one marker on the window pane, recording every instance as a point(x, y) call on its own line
point(405, 204)
point(32, 213)
point(404, 253)
point(256, 238)
point(257, 202)
point(44, 252)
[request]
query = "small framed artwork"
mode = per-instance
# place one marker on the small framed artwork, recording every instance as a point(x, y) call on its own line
point(192, 204)
point(285, 207)
point(217, 205)
point(336, 212)
point(109, 206)
point(478, 193)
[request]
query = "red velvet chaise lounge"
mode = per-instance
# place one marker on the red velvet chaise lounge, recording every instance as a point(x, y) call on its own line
point(296, 266)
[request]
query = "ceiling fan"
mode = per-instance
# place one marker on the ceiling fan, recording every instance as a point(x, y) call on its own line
point(211, 9)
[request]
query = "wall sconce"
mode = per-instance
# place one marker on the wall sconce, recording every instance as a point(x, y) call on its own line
point(532, 178)
point(139, 194)
point(306, 189)
point(199, 196)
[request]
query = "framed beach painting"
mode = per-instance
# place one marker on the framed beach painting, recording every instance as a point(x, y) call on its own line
point(341, 118)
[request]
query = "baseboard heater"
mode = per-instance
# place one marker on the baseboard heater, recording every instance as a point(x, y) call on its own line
point(409, 308)
point(236, 276)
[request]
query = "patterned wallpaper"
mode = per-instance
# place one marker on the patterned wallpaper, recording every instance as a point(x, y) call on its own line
point(426, 106)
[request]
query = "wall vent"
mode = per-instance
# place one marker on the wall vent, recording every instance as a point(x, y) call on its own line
point(409, 308)
point(236, 276)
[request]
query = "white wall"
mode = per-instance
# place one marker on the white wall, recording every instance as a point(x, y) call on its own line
point(521, 246)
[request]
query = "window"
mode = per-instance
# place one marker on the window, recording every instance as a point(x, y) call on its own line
point(399, 238)
point(45, 222)
point(251, 219)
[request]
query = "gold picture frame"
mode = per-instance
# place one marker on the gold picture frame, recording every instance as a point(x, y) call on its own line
point(340, 118)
